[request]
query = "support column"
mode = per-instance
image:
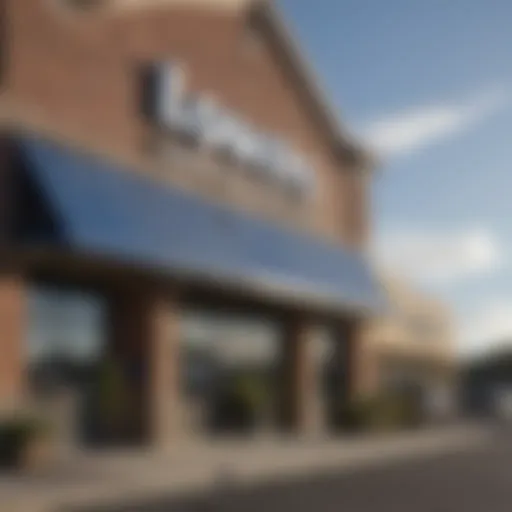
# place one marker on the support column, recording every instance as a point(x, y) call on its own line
point(145, 340)
point(298, 388)
point(13, 322)
point(348, 359)
point(163, 370)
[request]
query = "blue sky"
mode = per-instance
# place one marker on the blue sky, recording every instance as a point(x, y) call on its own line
point(429, 86)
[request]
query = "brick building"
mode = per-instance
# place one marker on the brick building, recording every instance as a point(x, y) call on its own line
point(163, 162)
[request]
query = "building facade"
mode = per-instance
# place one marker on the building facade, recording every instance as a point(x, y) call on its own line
point(413, 346)
point(169, 164)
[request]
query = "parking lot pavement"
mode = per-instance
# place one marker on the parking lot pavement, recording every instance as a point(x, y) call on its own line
point(474, 480)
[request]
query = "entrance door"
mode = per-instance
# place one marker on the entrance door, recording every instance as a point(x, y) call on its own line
point(228, 370)
point(65, 348)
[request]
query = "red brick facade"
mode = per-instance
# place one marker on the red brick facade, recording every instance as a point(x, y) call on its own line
point(81, 74)
point(12, 324)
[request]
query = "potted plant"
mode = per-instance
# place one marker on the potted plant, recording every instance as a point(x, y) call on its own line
point(353, 417)
point(252, 394)
point(24, 443)
point(112, 397)
point(240, 404)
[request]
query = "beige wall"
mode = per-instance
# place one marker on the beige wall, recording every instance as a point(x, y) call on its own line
point(417, 332)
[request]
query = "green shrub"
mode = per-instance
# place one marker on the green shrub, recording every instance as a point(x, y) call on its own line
point(384, 412)
point(111, 401)
point(15, 435)
point(352, 417)
point(251, 391)
point(241, 404)
point(396, 410)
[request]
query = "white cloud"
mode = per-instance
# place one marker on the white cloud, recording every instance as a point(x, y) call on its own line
point(413, 129)
point(439, 257)
point(487, 327)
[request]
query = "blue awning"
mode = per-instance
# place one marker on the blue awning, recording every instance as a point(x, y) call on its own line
point(101, 209)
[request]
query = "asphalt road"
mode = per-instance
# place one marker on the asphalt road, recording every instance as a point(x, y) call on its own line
point(478, 480)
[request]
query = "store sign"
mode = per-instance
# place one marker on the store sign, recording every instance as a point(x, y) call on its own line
point(204, 121)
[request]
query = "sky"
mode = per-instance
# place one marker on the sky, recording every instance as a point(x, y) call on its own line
point(428, 86)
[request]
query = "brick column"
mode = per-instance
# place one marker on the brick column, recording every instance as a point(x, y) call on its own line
point(13, 323)
point(348, 358)
point(145, 340)
point(297, 378)
point(163, 370)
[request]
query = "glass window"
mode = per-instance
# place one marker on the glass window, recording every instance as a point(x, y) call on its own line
point(214, 342)
point(65, 337)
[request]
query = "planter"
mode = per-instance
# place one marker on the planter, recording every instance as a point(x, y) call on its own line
point(24, 444)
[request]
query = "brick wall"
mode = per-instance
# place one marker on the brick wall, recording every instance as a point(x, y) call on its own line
point(81, 74)
point(12, 325)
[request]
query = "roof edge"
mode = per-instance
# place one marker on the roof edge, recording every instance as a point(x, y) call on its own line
point(345, 144)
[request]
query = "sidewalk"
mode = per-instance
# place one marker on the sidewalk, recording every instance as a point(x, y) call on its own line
point(132, 476)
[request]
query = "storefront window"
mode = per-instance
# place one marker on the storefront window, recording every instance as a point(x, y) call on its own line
point(65, 338)
point(225, 359)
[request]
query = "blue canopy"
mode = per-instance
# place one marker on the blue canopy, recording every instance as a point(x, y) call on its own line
point(99, 208)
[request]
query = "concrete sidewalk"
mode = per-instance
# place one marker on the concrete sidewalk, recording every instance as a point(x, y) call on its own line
point(131, 476)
